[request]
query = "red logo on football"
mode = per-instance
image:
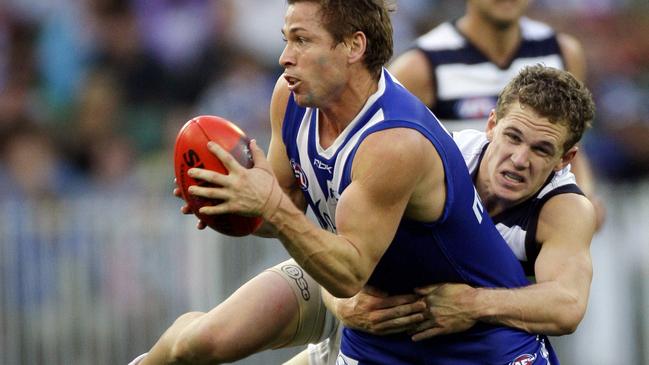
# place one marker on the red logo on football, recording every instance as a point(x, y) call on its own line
point(191, 151)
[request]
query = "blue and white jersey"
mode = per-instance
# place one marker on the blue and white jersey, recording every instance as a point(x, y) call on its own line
point(517, 224)
point(467, 83)
point(462, 246)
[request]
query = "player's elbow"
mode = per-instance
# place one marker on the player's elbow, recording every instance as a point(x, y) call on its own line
point(569, 317)
point(350, 284)
point(346, 290)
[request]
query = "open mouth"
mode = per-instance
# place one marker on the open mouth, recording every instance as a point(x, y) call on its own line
point(292, 82)
point(513, 177)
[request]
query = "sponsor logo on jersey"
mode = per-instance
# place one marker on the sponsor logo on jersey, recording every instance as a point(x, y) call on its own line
point(322, 166)
point(296, 273)
point(473, 108)
point(300, 175)
point(525, 359)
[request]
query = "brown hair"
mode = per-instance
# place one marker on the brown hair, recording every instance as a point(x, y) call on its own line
point(342, 18)
point(554, 94)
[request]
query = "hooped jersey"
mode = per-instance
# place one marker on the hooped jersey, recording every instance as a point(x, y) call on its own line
point(462, 246)
point(467, 83)
point(517, 224)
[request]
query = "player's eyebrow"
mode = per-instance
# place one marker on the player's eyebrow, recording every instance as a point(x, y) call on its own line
point(292, 30)
point(539, 144)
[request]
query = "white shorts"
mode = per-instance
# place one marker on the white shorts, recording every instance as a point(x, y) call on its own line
point(326, 352)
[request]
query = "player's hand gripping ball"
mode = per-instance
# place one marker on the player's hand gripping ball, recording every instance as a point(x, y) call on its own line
point(191, 151)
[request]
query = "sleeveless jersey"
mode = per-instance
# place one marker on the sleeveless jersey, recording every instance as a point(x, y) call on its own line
point(517, 224)
point(467, 83)
point(462, 246)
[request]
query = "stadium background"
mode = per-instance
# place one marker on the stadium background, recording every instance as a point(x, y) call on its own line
point(95, 259)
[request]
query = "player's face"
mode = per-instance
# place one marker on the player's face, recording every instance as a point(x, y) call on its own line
point(525, 149)
point(501, 13)
point(314, 67)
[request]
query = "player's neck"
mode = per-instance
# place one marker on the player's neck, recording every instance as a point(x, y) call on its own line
point(337, 114)
point(498, 43)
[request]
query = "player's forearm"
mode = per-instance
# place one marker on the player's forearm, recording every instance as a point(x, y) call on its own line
point(267, 230)
point(330, 259)
point(544, 308)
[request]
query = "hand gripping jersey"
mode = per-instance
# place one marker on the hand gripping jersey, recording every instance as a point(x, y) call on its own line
point(462, 246)
point(467, 83)
point(518, 223)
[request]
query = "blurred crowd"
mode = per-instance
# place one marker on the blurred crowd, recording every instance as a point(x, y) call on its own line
point(92, 92)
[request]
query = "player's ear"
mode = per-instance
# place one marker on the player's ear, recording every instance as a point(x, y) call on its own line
point(566, 158)
point(356, 45)
point(491, 125)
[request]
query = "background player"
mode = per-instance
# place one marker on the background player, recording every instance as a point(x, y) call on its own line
point(459, 67)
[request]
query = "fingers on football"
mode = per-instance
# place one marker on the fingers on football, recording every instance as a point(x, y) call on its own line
point(230, 163)
point(177, 193)
point(208, 176)
point(209, 192)
point(257, 152)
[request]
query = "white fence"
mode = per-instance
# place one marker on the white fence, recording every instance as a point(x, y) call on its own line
point(96, 280)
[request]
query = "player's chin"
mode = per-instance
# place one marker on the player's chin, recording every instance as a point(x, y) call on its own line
point(511, 192)
point(303, 102)
point(305, 99)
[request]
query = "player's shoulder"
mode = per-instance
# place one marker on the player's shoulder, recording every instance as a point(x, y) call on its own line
point(470, 139)
point(402, 148)
point(443, 37)
point(532, 29)
point(568, 212)
point(471, 143)
point(401, 156)
point(279, 102)
point(394, 140)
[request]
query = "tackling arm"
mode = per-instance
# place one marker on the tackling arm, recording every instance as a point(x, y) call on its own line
point(554, 305)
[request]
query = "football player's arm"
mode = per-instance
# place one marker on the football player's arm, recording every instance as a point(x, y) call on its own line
point(367, 215)
point(375, 312)
point(554, 305)
point(277, 156)
point(413, 71)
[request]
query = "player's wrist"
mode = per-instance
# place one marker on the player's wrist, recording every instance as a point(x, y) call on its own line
point(477, 303)
point(273, 202)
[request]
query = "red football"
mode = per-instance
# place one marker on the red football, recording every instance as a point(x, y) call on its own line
point(191, 151)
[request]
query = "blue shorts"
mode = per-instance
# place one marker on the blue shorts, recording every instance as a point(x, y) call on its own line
point(364, 349)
